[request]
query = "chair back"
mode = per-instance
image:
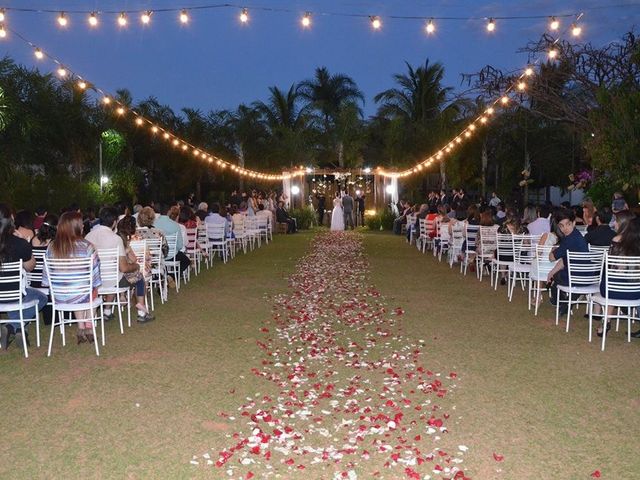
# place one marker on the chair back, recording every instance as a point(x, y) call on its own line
point(154, 246)
point(215, 232)
point(599, 248)
point(471, 234)
point(192, 239)
point(488, 240)
point(524, 248)
point(34, 277)
point(13, 282)
point(582, 229)
point(543, 264)
point(263, 223)
point(203, 239)
point(139, 249)
point(457, 235)
point(622, 276)
point(585, 268)
point(70, 278)
point(109, 266)
point(172, 243)
point(504, 246)
point(239, 227)
point(429, 225)
point(422, 227)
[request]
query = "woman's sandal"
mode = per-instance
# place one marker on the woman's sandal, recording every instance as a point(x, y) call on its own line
point(81, 336)
point(600, 331)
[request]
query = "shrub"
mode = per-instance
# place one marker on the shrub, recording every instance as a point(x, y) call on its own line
point(382, 219)
point(305, 217)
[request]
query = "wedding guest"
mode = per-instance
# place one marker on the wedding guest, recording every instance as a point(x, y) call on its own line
point(41, 212)
point(603, 234)
point(541, 224)
point(282, 216)
point(495, 200)
point(203, 210)
point(23, 224)
point(46, 234)
point(216, 218)
point(619, 203)
point(13, 248)
point(529, 215)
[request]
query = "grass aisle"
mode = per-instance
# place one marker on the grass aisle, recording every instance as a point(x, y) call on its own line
point(550, 404)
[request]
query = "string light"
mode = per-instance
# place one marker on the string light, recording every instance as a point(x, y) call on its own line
point(93, 19)
point(154, 129)
point(430, 28)
point(491, 26)
point(504, 100)
point(490, 111)
point(3, 32)
point(120, 111)
point(106, 100)
point(553, 53)
point(62, 72)
point(82, 84)
point(139, 121)
point(145, 18)
point(166, 136)
point(184, 17)
point(2, 14)
point(122, 19)
point(376, 23)
point(306, 20)
point(554, 24)
point(522, 86)
point(528, 72)
point(576, 30)
point(244, 15)
point(38, 53)
point(62, 20)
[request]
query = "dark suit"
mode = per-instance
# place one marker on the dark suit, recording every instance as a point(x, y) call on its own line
point(282, 216)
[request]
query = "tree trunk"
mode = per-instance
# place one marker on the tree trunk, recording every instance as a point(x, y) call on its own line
point(485, 162)
point(443, 176)
point(340, 154)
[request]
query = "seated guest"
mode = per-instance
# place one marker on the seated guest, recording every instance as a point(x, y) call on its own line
point(103, 236)
point(169, 227)
point(571, 240)
point(619, 203)
point(542, 224)
point(174, 214)
point(134, 277)
point(603, 234)
point(588, 214)
point(216, 218)
point(529, 215)
point(13, 249)
point(203, 210)
point(70, 244)
point(41, 212)
point(46, 234)
point(264, 213)
point(23, 224)
point(282, 216)
point(147, 230)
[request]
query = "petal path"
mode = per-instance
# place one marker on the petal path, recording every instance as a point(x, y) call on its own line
point(356, 399)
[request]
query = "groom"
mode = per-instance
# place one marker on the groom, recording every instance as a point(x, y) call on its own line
point(347, 208)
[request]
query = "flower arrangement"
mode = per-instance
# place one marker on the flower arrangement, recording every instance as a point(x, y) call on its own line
point(526, 173)
point(581, 180)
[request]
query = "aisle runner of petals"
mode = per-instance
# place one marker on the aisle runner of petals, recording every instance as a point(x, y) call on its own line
point(356, 399)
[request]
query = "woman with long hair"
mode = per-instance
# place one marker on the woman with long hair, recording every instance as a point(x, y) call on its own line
point(13, 249)
point(69, 243)
point(46, 234)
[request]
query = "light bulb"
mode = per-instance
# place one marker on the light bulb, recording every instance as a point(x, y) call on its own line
point(504, 100)
point(82, 84)
point(62, 72)
point(2, 15)
point(184, 147)
point(472, 127)
point(176, 142)
point(120, 111)
point(154, 129)
point(93, 19)
point(166, 136)
point(490, 111)
point(491, 26)
point(62, 20)
point(306, 20)
point(553, 53)
point(145, 18)
point(483, 119)
point(376, 23)
point(576, 30)
point(431, 28)
point(467, 134)
point(522, 86)
point(244, 15)
point(139, 121)
point(106, 100)
point(528, 72)
point(184, 17)
point(3, 32)
point(458, 140)
point(122, 19)
point(38, 53)
point(554, 24)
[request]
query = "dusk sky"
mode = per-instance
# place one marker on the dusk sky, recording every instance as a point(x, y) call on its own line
point(216, 62)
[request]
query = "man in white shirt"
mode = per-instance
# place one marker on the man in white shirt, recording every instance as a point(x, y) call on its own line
point(541, 224)
point(102, 237)
point(266, 214)
point(215, 218)
point(495, 201)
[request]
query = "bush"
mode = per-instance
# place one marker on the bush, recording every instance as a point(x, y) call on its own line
point(382, 219)
point(602, 190)
point(305, 217)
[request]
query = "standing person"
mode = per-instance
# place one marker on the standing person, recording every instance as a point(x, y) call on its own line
point(337, 216)
point(70, 244)
point(347, 207)
point(14, 249)
point(495, 200)
point(321, 206)
point(360, 204)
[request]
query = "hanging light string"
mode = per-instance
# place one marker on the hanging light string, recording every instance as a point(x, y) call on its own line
point(503, 101)
point(119, 109)
point(184, 13)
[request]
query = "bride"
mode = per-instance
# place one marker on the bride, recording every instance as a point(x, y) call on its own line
point(337, 217)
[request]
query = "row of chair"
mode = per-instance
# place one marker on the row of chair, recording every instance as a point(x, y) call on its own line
point(523, 260)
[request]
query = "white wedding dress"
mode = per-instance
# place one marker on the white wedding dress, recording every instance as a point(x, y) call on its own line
point(337, 217)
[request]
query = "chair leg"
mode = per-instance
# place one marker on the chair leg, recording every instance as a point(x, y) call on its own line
point(53, 327)
point(129, 307)
point(101, 325)
point(605, 321)
point(24, 334)
point(119, 307)
point(38, 329)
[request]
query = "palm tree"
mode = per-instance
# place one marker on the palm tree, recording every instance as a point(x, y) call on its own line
point(421, 103)
point(330, 95)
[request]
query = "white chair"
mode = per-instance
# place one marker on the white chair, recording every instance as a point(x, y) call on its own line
point(441, 240)
point(584, 271)
point(456, 243)
point(582, 229)
point(34, 277)
point(599, 248)
point(622, 276)
point(110, 276)
point(193, 250)
point(470, 235)
point(410, 227)
point(12, 275)
point(503, 260)
point(251, 231)
point(538, 275)
point(263, 228)
point(158, 272)
point(203, 244)
point(73, 277)
point(485, 249)
point(217, 240)
point(171, 265)
point(239, 233)
point(524, 249)
point(139, 249)
point(422, 240)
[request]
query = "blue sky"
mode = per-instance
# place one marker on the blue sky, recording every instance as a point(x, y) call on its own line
point(216, 62)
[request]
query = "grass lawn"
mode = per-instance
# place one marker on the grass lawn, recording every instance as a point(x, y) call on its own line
point(551, 403)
